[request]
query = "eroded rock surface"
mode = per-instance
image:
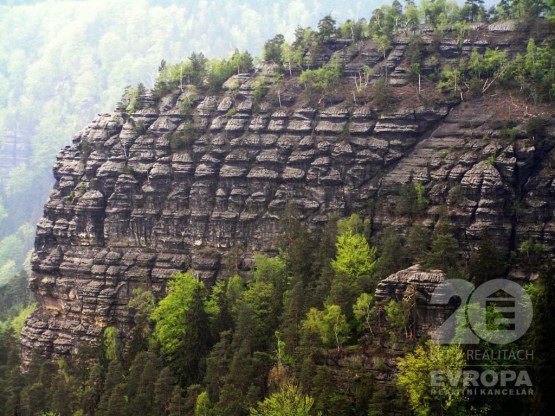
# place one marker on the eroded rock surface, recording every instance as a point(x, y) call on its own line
point(416, 286)
point(183, 183)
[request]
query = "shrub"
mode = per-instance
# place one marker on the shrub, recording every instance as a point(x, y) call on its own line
point(185, 137)
point(536, 126)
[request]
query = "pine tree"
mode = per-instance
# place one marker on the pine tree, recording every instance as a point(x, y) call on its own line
point(117, 403)
point(541, 337)
point(114, 378)
point(218, 309)
point(135, 372)
point(272, 49)
point(33, 399)
point(295, 244)
point(327, 28)
point(141, 304)
point(394, 256)
point(217, 365)
point(474, 7)
point(177, 403)
point(412, 200)
point(418, 242)
point(295, 305)
point(444, 254)
point(92, 390)
point(487, 262)
point(61, 395)
point(329, 395)
point(189, 360)
point(144, 400)
point(163, 391)
point(321, 267)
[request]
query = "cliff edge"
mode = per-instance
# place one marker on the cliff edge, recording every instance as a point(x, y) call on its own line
point(199, 180)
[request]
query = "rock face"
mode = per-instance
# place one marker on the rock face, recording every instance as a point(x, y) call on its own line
point(416, 286)
point(193, 180)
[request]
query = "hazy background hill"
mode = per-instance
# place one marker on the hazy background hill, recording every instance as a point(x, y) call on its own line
point(61, 62)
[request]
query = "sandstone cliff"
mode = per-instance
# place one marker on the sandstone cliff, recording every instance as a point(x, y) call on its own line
point(130, 207)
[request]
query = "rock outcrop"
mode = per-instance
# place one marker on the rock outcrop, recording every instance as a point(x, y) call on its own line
point(192, 178)
point(416, 286)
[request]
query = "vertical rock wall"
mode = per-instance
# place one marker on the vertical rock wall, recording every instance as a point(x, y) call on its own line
point(183, 182)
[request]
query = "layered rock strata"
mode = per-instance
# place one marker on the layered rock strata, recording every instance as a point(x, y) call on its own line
point(192, 180)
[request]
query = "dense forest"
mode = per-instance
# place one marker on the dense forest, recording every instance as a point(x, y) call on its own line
point(288, 337)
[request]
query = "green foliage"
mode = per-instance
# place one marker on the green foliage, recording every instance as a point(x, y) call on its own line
point(533, 72)
point(111, 343)
point(362, 310)
point(288, 401)
point(257, 315)
point(288, 56)
point(353, 266)
point(203, 406)
point(270, 269)
point(386, 19)
point(330, 324)
point(440, 13)
point(306, 40)
point(185, 136)
point(492, 64)
point(490, 160)
point(383, 94)
point(325, 277)
point(241, 61)
point(132, 99)
point(444, 254)
point(383, 44)
point(414, 377)
point(412, 200)
point(418, 241)
point(321, 79)
point(177, 403)
point(414, 54)
point(536, 126)
point(472, 9)
point(260, 89)
point(173, 76)
point(354, 30)
point(394, 256)
point(450, 79)
point(326, 28)
point(13, 250)
point(18, 321)
point(272, 50)
point(397, 314)
point(199, 71)
point(169, 315)
point(530, 253)
point(539, 338)
point(14, 297)
point(355, 259)
point(224, 360)
point(353, 224)
point(487, 262)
